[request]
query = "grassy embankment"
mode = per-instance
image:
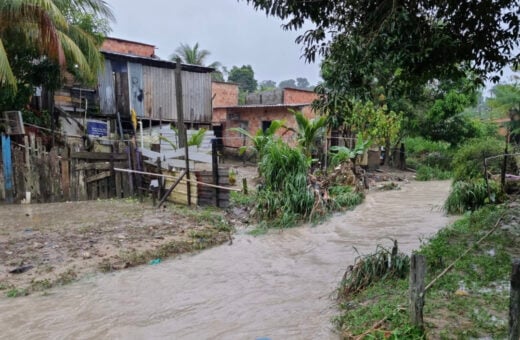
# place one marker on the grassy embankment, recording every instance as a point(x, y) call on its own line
point(470, 301)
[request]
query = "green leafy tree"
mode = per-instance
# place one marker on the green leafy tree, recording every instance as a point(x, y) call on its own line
point(267, 85)
point(302, 83)
point(287, 83)
point(44, 29)
point(244, 76)
point(445, 121)
point(506, 97)
point(419, 40)
point(506, 103)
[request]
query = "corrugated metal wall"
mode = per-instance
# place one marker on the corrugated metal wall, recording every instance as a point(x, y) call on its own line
point(107, 101)
point(196, 90)
point(158, 99)
point(136, 88)
point(159, 93)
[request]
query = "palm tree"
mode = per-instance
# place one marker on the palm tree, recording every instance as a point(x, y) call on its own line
point(42, 25)
point(310, 131)
point(196, 56)
point(261, 138)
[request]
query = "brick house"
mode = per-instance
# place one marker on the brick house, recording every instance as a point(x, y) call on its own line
point(257, 113)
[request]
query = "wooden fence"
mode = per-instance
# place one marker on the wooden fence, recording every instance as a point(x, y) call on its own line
point(72, 174)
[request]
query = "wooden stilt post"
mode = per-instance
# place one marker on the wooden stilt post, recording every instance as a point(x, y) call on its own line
point(182, 128)
point(417, 276)
point(514, 304)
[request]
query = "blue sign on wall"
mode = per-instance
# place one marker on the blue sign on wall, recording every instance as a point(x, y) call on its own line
point(97, 128)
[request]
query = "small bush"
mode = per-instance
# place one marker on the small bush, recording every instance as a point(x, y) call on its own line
point(422, 151)
point(420, 145)
point(426, 173)
point(468, 162)
point(470, 196)
point(344, 197)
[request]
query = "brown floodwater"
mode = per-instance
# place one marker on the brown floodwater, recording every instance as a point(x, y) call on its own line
point(276, 286)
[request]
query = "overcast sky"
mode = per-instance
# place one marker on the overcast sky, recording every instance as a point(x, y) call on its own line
point(231, 30)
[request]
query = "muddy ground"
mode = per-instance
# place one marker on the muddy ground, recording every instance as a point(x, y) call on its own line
point(45, 245)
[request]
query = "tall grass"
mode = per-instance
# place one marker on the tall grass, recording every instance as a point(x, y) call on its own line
point(470, 196)
point(382, 264)
point(344, 197)
point(285, 196)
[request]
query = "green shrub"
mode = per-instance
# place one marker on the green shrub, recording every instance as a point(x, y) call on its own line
point(421, 151)
point(344, 197)
point(427, 173)
point(470, 196)
point(241, 199)
point(420, 145)
point(468, 162)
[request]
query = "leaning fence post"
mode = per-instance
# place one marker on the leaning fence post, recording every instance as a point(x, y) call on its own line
point(514, 303)
point(244, 186)
point(417, 276)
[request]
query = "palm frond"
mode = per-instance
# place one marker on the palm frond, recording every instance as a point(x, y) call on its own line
point(7, 78)
point(75, 55)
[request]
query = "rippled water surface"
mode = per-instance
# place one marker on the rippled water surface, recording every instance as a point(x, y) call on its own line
point(277, 286)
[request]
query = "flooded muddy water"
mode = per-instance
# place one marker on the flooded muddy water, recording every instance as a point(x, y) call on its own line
point(276, 286)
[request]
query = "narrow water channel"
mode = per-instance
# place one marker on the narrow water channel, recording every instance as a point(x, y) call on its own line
point(276, 286)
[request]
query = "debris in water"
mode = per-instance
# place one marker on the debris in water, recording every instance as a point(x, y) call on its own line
point(155, 261)
point(21, 269)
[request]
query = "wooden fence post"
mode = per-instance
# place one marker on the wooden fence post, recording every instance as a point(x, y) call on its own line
point(244, 185)
point(514, 303)
point(417, 276)
point(214, 158)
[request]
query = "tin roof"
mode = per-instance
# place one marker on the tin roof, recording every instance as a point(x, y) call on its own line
point(156, 62)
point(261, 106)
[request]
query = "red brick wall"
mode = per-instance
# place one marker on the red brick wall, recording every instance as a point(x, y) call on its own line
point(294, 96)
point(253, 117)
point(224, 94)
point(128, 47)
point(219, 115)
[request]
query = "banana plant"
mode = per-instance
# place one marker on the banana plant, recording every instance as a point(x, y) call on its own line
point(342, 153)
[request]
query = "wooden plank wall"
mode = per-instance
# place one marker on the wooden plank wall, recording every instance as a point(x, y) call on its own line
point(180, 193)
point(208, 196)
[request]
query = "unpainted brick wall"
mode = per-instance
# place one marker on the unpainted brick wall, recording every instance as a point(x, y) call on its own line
point(224, 94)
point(295, 96)
point(251, 119)
point(128, 47)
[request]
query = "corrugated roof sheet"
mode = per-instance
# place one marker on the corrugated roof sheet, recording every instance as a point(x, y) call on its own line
point(156, 62)
point(257, 106)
